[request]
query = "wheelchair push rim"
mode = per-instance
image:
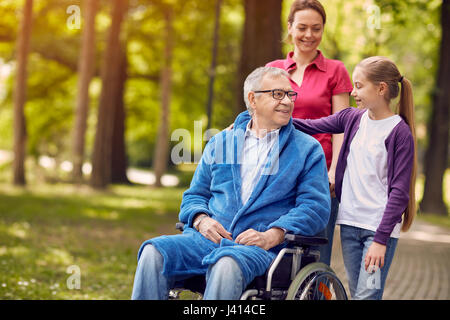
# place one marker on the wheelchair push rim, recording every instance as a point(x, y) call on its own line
point(316, 281)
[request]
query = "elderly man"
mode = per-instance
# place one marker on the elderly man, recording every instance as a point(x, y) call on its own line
point(253, 184)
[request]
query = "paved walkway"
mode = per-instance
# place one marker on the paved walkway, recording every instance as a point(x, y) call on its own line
point(421, 266)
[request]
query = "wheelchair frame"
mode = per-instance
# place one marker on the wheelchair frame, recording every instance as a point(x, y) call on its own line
point(306, 281)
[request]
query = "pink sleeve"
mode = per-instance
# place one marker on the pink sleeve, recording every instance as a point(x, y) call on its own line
point(341, 81)
point(276, 64)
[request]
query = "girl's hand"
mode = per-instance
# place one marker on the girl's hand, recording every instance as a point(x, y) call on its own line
point(231, 126)
point(375, 256)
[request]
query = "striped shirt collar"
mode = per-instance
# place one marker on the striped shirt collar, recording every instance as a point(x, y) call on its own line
point(270, 134)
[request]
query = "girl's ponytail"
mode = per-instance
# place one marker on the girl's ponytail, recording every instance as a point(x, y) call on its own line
point(406, 110)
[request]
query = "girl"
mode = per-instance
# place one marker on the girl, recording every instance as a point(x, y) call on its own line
point(375, 174)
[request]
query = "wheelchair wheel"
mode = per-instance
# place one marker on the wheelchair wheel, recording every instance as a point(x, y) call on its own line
point(316, 281)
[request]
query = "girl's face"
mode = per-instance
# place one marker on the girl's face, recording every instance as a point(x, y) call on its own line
point(306, 30)
point(367, 95)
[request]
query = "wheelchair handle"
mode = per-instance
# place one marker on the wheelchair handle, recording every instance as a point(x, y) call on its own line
point(179, 226)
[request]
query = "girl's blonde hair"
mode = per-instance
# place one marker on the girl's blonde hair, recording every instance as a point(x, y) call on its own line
point(381, 69)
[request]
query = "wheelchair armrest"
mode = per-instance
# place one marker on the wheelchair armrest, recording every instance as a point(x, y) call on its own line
point(301, 241)
point(179, 226)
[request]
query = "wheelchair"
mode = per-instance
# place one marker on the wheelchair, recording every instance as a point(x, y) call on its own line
point(294, 274)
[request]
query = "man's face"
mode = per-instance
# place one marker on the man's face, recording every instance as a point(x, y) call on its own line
point(270, 113)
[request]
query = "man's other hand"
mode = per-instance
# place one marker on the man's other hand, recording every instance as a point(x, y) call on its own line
point(265, 240)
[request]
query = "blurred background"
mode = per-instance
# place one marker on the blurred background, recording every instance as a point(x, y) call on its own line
point(92, 92)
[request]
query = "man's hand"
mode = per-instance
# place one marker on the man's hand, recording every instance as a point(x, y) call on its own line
point(211, 229)
point(265, 240)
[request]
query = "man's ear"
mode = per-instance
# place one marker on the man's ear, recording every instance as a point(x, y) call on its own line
point(251, 98)
point(252, 101)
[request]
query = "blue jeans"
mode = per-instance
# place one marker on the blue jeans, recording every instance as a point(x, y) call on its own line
point(224, 279)
point(328, 232)
point(364, 285)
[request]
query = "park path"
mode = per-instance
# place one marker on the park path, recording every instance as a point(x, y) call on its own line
point(135, 175)
point(421, 266)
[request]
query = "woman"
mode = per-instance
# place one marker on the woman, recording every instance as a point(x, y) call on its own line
point(323, 86)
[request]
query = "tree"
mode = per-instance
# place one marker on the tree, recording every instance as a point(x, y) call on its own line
point(212, 70)
point(118, 158)
point(101, 160)
point(261, 41)
point(436, 157)
point(162, 142)
point(86, 68)
point(20, 134)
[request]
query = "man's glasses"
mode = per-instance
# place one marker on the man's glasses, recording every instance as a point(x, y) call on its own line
point(279, 94)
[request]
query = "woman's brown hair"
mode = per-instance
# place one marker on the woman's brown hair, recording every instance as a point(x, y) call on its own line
point(381, 69)
point(299, 5)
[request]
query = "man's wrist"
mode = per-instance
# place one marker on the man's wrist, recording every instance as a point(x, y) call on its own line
point(198, 218)
point(278, 235)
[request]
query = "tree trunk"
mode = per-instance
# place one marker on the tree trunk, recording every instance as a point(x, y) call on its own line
point(436, 157)
point(20, 132)
point(119, 159)
point(101, 160)
point(162, 142)
point(261, 41)
point(86, 70)
point(212, 70)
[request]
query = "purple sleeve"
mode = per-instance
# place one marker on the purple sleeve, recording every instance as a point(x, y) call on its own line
point(398, 197)
point(334, 123)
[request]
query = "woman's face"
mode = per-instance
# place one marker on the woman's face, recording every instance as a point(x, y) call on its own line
point(306, 30)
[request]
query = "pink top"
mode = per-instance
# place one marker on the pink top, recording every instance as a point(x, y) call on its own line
point(323, 78)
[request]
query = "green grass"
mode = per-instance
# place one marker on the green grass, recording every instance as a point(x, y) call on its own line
point(45, 229)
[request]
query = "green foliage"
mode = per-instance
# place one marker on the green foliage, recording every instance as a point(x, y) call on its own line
point(46, 229)
point(408, 33)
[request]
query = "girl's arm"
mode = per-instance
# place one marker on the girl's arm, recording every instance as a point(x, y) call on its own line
point(331, 124)
point(398, 196)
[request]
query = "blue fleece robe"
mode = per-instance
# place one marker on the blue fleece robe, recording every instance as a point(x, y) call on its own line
point(292, 193)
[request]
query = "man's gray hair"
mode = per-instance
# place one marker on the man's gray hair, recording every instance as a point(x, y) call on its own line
point(254, 79)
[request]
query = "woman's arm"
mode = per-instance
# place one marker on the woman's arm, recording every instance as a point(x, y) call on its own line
point(338, 103)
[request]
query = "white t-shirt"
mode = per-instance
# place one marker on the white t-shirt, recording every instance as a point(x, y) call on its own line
point(365, 188)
